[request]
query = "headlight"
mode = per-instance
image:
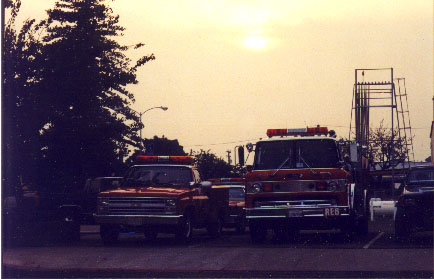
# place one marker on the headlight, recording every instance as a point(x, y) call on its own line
point(103, 206)
point(103, 201)
point(332, 186)
point(170, 206)
point(256, 187)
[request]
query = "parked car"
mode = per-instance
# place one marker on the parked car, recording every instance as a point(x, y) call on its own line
point(237, 194)
point(414, 209)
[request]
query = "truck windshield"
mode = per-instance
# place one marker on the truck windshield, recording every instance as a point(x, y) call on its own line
point(421, 175)
point(158, 176)
point(296, 154)
point(236, 194)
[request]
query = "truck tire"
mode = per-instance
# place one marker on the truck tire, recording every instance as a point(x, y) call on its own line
point(402, 226)
point(241, 225)
point(184, 232)
point(109, 234)
point(258, 233)
point(215, 229)
point(69, 227)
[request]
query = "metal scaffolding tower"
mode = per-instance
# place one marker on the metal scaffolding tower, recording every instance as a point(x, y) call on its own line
point(368, 94)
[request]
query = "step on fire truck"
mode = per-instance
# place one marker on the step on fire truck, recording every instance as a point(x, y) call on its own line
point(162, 194)
point(298, 181)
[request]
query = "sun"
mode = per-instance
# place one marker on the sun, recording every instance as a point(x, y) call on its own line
point(255, 42)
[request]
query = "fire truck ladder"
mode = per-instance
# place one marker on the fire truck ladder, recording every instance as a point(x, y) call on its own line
point(404, 114)
point(369, 94)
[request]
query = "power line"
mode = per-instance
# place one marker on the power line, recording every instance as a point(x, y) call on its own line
point(221, 143)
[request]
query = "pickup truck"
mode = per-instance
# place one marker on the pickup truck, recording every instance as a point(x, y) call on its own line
point(162, 194)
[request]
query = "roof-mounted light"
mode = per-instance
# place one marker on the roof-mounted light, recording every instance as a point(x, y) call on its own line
point(308, 131)
point(181, 160)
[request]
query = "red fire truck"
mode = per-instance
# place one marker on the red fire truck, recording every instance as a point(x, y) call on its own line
point(298, 181)
point(162, 194)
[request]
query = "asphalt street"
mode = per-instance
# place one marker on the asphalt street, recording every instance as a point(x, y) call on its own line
point(319, 254)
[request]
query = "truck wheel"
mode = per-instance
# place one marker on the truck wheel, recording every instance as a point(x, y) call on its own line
point(258, 233)
point(109, 234)
point(70, 227)
point(241, 225)
point(402, 227)
point(184, 231)
point(215, 229)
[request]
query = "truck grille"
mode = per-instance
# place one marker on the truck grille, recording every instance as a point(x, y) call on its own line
point(136, 206)
point(296, 203)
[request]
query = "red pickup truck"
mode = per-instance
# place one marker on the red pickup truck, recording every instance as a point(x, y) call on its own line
point(162, 194)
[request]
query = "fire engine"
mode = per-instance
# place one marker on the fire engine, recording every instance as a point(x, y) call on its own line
point(298, 181)
point(162, 194)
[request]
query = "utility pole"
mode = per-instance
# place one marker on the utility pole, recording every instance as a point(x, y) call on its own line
point(229, 156)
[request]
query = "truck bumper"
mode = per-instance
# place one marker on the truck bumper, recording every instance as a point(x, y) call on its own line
point(296, 212)
point(138, 220)
point(308, 217)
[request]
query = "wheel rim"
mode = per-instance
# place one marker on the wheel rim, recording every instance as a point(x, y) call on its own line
point(187, 228)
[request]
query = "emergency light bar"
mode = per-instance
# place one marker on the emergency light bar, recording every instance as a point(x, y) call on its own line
point(308, 131)
point(181, 160)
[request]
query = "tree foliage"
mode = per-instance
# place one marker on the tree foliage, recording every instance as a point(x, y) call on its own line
point(211, 166)
point(158, 147)
point(382, 151)
point(23, 116)
point(65, 86)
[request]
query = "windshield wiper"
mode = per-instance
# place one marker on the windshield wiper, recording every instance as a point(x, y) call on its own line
point(304, 161)
point(281, 166)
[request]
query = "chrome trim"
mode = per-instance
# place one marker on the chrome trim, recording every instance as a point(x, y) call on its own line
point(138, 220)
point(285, 212)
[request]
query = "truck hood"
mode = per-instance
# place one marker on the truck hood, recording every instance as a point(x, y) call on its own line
point(146, 192)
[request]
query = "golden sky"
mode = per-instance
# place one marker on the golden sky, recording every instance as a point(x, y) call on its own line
point(228, 70)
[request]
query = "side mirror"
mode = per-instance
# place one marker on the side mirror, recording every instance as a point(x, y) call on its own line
point(249, 168)
point(249, 147)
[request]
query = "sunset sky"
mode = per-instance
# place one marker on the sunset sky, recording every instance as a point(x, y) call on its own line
point(228, 70)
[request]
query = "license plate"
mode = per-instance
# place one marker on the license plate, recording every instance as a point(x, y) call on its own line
point(331, 211)
point(295, 213)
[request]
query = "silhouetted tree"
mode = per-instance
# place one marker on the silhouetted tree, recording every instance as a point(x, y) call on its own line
point(211, 166)
point(158, 147)
point(23, 113)
point(67, 105)
point(86, 72)
point(384, 153)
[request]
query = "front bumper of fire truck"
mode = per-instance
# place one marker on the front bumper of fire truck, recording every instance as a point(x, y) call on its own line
point(288, 212)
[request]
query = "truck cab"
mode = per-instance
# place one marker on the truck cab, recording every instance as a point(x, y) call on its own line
point(297, 181)
point(161, 194)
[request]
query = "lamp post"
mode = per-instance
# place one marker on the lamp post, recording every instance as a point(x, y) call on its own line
point(140, 115)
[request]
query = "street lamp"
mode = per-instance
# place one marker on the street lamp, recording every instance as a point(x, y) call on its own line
point(140, 115)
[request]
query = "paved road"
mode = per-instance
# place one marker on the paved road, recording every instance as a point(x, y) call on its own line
point(312, 254)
